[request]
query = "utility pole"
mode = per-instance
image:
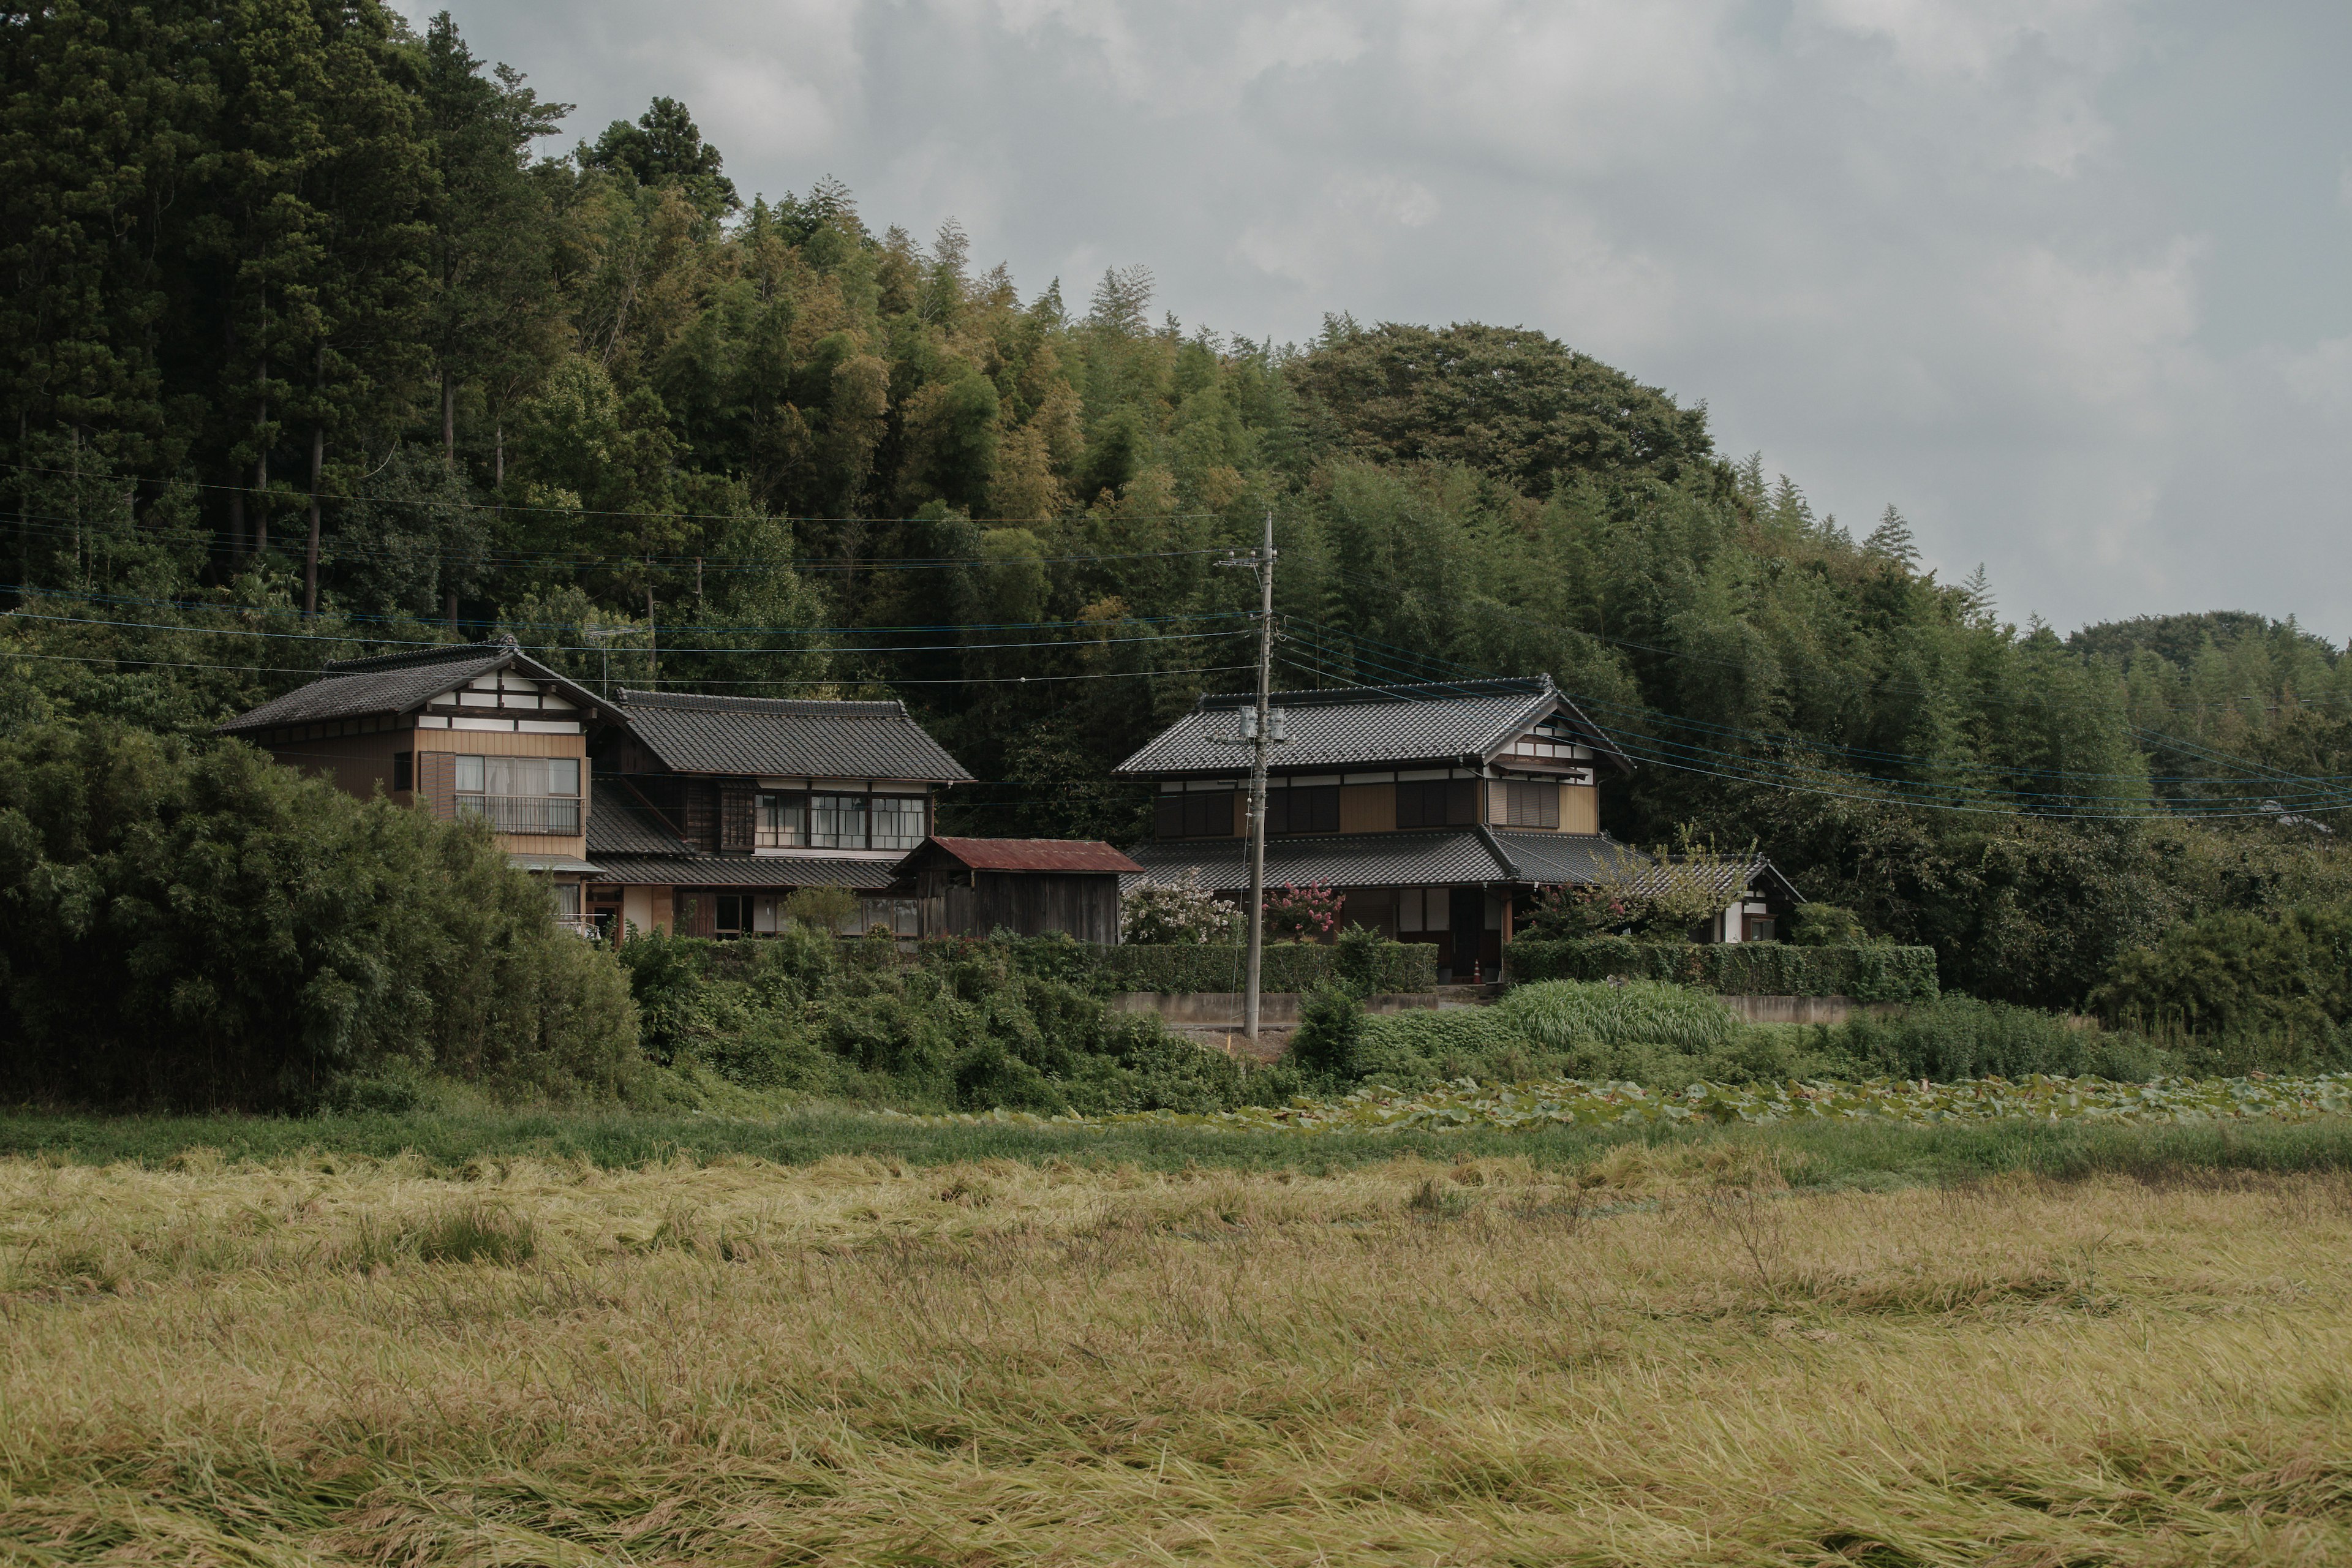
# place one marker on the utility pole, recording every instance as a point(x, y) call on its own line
point(1261, 737)
point(1258, 732)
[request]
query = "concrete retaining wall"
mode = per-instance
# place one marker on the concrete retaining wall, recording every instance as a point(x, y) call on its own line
point(1805, 1009)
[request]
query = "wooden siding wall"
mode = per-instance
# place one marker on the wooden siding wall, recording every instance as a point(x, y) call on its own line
point(736, 802)
point(1368, 808)
point(436, 782)
point(356, 764)
point(1372, 807)
point(698, 813)
point(1579, 809)
point(499, 744)
point(1031, 903)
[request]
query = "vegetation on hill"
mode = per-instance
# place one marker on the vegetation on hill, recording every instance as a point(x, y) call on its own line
point(305, 353)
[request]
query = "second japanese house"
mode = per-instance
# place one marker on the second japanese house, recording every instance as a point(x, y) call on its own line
point(1430, 809)
point(711, 811)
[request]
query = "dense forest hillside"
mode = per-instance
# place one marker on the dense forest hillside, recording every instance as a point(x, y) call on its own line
point(306, 352)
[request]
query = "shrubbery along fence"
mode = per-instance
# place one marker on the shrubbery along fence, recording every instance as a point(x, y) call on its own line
point(1208, 966)
point(1872, 974)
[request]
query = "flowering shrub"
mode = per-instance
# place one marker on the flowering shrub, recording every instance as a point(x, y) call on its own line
point(1302, 914)
point(1178, 912)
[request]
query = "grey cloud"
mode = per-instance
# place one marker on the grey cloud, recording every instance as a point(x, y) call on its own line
point(2062, 279)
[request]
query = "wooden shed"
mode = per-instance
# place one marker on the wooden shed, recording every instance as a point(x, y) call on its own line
point(972, 887)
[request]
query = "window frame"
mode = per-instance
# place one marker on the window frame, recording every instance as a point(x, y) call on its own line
point(766, 834)
point(899, 804)
point(863, 812)
point(1531, 803)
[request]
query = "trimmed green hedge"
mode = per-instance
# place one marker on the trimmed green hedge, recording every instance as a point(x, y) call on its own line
point(1187, 966)
point(1734, 969)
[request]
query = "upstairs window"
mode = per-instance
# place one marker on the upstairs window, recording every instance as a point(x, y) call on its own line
point(1206, 814)
point(780, 821)
point(898, 821)
point(837, 821)
point(519, 794)
point(1312, 809)
point(1531, 804)
point(1437, 802)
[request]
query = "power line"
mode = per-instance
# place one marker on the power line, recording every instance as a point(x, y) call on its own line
point(298, 496)
point(7, 653)
point(335, 545)
point(591, 648)
point(721, 627)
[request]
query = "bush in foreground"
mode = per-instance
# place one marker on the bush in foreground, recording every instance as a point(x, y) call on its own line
point(1871, 972)
point(200, 927)
point(1358, 960)
point(972, 1026)
point(1666, 1037)
point(2237, 990)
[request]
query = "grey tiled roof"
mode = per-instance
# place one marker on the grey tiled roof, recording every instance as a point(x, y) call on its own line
point(1751, 874)
point(621, 825)
point(774, 872)
point(787, 737)
point(1454, 855)
point(394, 683)
point(1563, 858)
point(1361, 726)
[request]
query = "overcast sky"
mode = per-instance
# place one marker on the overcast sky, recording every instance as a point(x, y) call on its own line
point(2065, 283)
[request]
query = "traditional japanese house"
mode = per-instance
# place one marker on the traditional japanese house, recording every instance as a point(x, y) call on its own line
point(477, 729)
point(711, 811)
point(1435, 810)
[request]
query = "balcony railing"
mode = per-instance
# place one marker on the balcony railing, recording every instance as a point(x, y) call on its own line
point(556, 813)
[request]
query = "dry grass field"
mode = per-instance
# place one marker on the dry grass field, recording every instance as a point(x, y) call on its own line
point(1665, 1357)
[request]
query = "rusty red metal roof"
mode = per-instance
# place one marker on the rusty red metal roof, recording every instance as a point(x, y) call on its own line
point(1033, 855)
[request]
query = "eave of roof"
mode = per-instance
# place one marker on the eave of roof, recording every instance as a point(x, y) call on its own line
point(398, 682)
point(777, 873)
point(1430, 858)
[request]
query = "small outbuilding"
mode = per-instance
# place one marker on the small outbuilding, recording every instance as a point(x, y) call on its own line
point(972, 887)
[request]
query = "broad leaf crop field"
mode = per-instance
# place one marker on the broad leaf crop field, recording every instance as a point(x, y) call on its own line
point(1686, 1347)
point(1572, 1102)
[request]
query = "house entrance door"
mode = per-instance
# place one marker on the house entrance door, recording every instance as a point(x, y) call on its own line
point(1467, 918)
point(605, 909)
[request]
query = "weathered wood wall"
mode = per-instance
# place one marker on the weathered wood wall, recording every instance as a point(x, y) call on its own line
point(1029, 903)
